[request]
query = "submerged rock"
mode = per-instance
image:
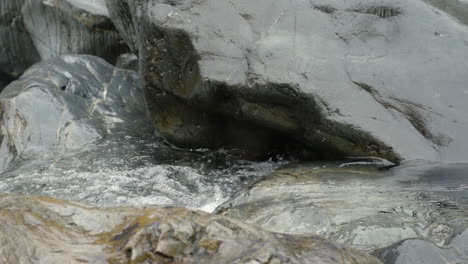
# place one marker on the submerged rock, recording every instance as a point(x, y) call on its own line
point(353, 78)
point(46, 230)
point(357, 205)
point(64, 104)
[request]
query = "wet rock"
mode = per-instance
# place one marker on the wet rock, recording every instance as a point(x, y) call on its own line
point(360, 92)
point(358, 205)
point(64, 104)
point(46, 230)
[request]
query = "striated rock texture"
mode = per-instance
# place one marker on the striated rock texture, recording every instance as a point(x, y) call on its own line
point(72, 27)
point(17, 50)
point(65, 103)
point(31, 30)
point(358, 205)
point(46, 230)
point(355, 78)
point(121, 13)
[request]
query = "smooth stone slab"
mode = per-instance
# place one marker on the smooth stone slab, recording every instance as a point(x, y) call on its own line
point(356, 204)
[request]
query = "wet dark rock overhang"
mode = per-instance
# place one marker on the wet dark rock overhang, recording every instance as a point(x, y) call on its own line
point(193, 112)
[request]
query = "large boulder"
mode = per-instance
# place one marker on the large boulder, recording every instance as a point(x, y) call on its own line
point(353, 78)
point(356, 204)
point(66, 103)
point(46, 230)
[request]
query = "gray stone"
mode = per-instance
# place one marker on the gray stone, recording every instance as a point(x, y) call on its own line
point(17, 50)
point(127, 24)
point(72, 27)
point(358, 205)
point(46, 230)
point(354, 78)
point(31, 30)
point(417, 251)
point(66, 103)
point(5, 79)
point(128, 61)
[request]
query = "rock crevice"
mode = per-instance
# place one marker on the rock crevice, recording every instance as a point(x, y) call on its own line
point(171, 72)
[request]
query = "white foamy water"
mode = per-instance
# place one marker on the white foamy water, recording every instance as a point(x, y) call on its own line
point(135, 170)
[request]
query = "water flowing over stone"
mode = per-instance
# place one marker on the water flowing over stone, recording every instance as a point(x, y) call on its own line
point(46, 230)
point(331, 74)
point(75, 127)
point(358, 205)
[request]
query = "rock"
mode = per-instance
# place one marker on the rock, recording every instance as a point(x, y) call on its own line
point(5, 79)
point(66, 103)
point(456, 8)
point(72, 27)
point(46, 230)
point(94, 143)
point(17, 50)
point(417, 251)
point(128, 61)
point(353, 78)
point(32, 30)
point(127, 24)
point(356, 204)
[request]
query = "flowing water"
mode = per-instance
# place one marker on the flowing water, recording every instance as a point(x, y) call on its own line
point(134, 169)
